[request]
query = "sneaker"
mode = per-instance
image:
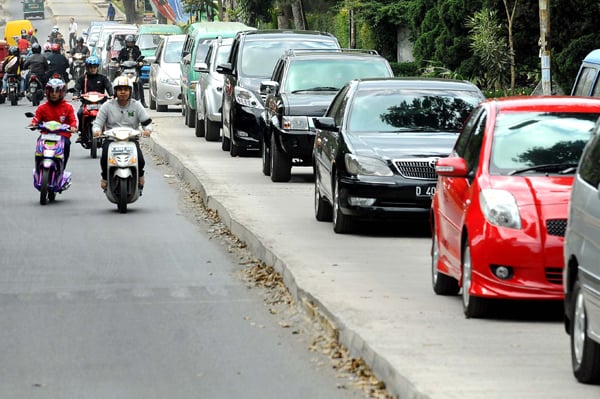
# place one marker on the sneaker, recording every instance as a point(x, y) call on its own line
point(103, 184)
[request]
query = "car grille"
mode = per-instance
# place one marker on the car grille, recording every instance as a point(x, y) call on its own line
point(556, 227)
point(554, 275)
point(421, 169)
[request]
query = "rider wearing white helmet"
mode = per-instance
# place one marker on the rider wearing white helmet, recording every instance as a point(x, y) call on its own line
point(122, 111)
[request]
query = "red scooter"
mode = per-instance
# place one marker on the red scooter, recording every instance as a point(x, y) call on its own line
point(92, 100)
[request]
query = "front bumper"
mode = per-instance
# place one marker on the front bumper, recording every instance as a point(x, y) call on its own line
point(247, 127)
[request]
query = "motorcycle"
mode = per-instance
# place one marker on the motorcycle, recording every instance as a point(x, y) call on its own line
point(130, 69)
point(77, 66)
point(35, 91)
point(12, 84)
point(122, 167)
point(92, 100)
point(49, 176)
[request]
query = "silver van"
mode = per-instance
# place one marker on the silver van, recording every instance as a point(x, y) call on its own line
point(581, 279)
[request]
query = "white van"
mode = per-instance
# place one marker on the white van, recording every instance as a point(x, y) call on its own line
point(581, 278)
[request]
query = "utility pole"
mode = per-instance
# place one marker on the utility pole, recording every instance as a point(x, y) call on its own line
point(545, 46)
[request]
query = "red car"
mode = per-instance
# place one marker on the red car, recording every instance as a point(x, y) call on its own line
point(499, 212)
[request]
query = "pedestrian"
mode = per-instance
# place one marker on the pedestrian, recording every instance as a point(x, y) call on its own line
point(110, 15)
point(72, 32)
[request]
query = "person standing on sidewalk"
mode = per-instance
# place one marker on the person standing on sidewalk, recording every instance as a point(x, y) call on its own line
point(110, 15)
point(72, 33)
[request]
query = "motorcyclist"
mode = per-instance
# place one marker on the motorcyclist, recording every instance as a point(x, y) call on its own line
point(90, 81)
point(23, 44)
point(36, 64)
point(122, 111)
point(53, 34)
point(47, 49)
point(131, 52)
point(79, 48)
point(12, 65)
point(56, 108)
point(31, 37)
point(58, 63)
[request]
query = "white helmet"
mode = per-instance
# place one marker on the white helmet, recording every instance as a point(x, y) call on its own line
point(55, 28)
point(122, 81)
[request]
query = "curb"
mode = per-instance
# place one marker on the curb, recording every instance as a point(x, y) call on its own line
point(395, 383)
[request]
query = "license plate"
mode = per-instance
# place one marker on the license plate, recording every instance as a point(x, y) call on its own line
point(121, 150)
point(425, 191)
point(93, 106)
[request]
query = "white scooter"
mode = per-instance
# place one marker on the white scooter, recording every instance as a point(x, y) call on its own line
point(122, 168)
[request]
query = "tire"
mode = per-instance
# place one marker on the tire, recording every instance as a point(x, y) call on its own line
point(44, 186)
point(281, 164)
point(266, 158)
point(51, 195)
point(2, 99)
point(199, 128)
point(342, 224)
point(585, 353)
point(323, 209)
point(122, 202)
point(94, 148)
point(152, 101)
point(225, 143)
point(442, 283)
point(211, 130)
point(190, 117)
point(14, 98)
point(473, 307)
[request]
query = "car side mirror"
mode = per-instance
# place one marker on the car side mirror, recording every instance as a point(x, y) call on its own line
point(451, 167)
point(325, 123)
point(269, 87)
point(186, 60)
point(201, 67)
point(225, 69)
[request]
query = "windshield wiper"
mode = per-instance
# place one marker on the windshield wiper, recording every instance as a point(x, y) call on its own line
point(562, 168)
point(321, 88)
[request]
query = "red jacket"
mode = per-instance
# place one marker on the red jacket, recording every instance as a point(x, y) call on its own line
point(62, 112)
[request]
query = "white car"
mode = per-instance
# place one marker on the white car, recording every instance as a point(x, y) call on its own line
point(209, 90)
point(581, 275)
point(165, 75)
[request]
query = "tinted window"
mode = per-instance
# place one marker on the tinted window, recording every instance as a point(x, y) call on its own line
point(471, 123)
point(338, 106)
point(526, 139)
point(474, 143)
point(258, 57)
point(323, 74)
point(398, 110)
point(584, 84)
point(590, 162)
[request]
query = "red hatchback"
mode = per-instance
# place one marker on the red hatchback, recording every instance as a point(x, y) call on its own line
point(500, 209)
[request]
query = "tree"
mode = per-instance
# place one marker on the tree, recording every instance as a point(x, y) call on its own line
point(130, 14)
point(510, 16)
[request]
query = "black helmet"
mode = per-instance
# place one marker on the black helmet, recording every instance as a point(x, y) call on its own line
point(80, 40)
point(14, 51)
point(36, 48)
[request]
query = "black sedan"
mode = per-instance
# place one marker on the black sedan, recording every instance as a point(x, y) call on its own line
point(377, 144)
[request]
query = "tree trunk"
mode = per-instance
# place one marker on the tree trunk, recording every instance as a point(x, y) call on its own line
point(285, 15)
point(221, 11)
point(298, 14)
point(352, 42)
point(130, 16)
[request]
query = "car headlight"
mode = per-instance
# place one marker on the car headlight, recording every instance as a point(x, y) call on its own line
point(247, 98)
point(168, 81)
point(500, 208)
point(295, 122)
point(366, 166)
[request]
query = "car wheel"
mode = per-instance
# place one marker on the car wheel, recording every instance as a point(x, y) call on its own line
point(234, 149)
point(442, 283)
point(199, 128)
point(152, 102)
point(211, 130)
point(323, 209)
point(190, 117)
point(473, 307)
point(585, 353)
point(342, 224)
point(281, 164)
point(266, 158)
point(225, 143)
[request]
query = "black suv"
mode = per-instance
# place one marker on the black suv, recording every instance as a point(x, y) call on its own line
point(253, 56)
point(302, 86)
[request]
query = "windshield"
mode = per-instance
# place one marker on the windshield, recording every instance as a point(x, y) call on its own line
point(399, 110)
point(332, 74)
point(259, 57)
point(524, 140)
point(173, 52)
point(148, 41)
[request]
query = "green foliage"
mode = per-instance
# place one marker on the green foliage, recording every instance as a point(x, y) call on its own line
point(406, 68)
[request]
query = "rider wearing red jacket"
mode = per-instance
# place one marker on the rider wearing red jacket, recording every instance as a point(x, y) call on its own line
point(57, 109)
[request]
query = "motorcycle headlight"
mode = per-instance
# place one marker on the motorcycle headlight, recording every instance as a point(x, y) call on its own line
point(366, 166)
point(500, 208)
point(247, 98)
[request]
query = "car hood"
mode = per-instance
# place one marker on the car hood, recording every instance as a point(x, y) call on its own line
point(536, 190)
point(312, 104)
point(402, 145)
point(252, 84)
